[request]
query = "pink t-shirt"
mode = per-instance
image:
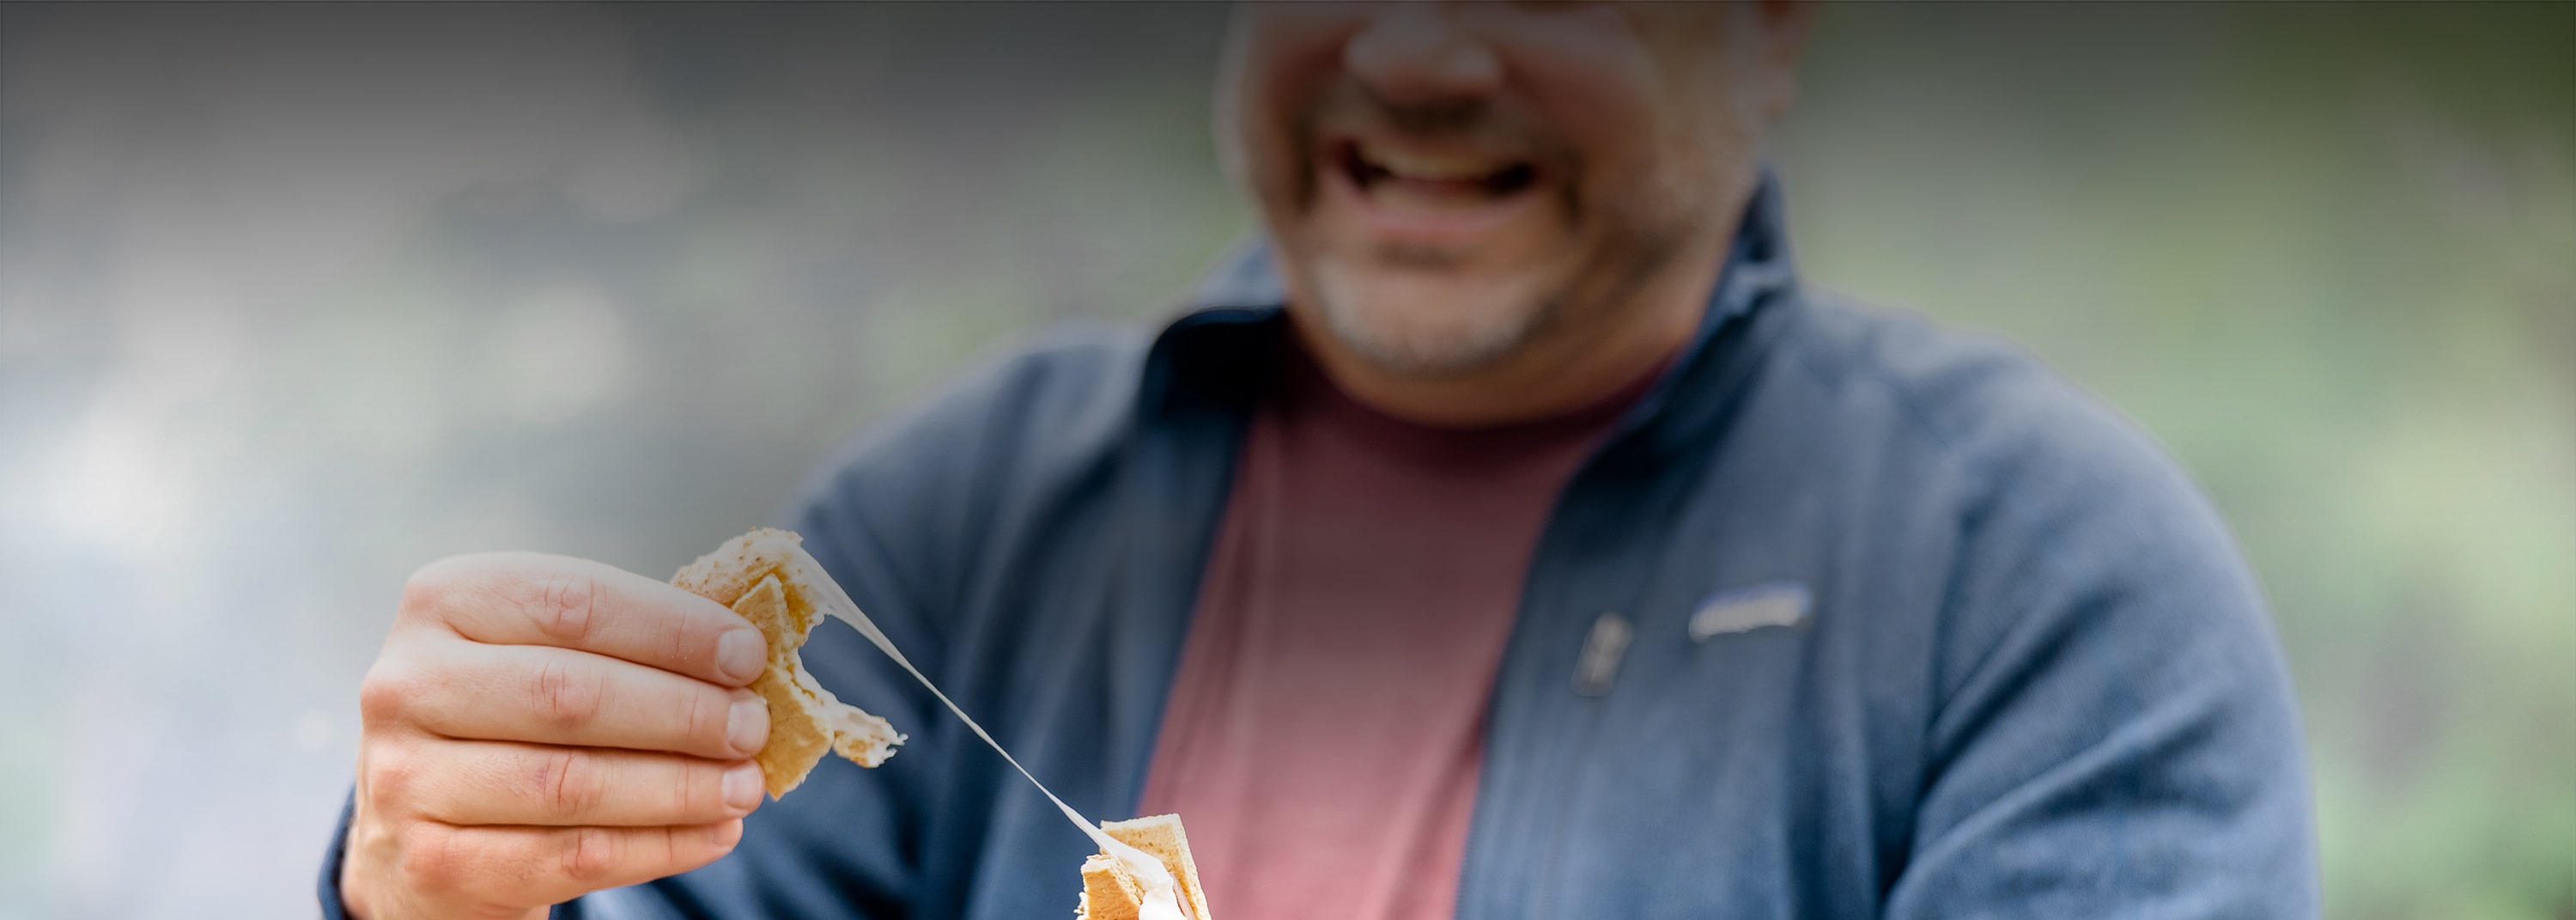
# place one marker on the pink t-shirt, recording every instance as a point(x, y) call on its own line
point(1325, 728)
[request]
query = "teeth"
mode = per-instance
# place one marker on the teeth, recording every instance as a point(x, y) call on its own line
point(1434, 167)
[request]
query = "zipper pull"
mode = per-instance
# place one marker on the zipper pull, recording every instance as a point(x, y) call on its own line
point(1603, 649)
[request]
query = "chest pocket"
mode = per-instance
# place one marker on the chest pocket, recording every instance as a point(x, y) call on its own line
point(1706, 787)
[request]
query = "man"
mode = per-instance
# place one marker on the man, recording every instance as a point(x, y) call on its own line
point(1513, 536)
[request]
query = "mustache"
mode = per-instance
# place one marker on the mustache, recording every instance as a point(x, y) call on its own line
point(1452, 117)
point(1495, 123)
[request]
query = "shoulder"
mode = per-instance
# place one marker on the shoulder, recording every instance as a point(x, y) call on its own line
point(2100, 661)
point(2006, 433)
point(2062, 516)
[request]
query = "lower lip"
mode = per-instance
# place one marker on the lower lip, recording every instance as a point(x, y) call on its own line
point(1444, 224)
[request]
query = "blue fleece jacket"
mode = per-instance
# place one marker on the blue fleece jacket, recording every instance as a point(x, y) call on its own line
point(1850, 617)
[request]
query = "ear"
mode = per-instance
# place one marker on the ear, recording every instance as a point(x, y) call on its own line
point(1227, 120)
point(1781, 27)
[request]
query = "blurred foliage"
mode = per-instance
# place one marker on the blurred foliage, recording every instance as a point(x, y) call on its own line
point(293, 299)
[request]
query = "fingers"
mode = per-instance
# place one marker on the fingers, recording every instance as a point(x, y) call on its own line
point(480, 782)
point(563, 697)
point(529, 866)
point(535, 599)
point(539, 727)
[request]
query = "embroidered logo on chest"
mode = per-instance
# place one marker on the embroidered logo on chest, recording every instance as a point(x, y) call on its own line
point(1771, 603)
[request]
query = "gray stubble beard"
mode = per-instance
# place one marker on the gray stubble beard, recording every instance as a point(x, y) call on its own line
point(1480, 342)
point(1489, 339)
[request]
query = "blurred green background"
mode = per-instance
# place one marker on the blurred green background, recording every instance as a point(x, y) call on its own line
point(294, 299)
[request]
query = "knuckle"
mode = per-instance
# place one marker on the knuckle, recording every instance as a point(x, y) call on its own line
point(590, 855)
point(385, 695)
point(568, 783)
point(672, 847)
point(566, 696)
point(431, 588)
point(685, 643)
point(391, 773)
point(434, 859)
point(564, 605)
point(695, 791)
point(694, 721)
point(706, 722)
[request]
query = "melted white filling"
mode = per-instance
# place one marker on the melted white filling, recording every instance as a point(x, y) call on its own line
point(1162, 895)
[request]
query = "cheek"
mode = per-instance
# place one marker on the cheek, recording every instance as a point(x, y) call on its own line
point(1283, 54)
point(1596, 87)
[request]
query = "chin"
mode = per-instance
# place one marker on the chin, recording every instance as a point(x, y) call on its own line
point(1423, 323)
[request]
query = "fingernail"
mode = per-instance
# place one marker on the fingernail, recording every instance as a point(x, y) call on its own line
point(747, 725)
point(742, 786)
point(729, 833)
point(740, 654)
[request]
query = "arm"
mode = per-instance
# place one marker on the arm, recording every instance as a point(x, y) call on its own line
point(2119, 738)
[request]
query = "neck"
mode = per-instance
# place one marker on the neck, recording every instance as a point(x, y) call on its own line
point(1551, 375)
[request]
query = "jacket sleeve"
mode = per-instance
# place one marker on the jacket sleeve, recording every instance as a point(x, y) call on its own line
point(2116, 734)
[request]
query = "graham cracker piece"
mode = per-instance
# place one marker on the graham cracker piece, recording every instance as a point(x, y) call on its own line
point(752, 574)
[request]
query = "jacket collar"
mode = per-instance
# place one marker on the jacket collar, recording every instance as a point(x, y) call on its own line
point(1213, 354)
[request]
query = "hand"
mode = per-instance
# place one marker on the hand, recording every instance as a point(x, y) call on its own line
point(539, 727)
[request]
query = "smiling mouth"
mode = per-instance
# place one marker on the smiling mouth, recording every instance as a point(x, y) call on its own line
point(1413, 178)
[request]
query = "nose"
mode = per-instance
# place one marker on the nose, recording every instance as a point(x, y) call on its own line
point(1409, 54)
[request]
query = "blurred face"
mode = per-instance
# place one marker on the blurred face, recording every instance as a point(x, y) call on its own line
point(1449, 184)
